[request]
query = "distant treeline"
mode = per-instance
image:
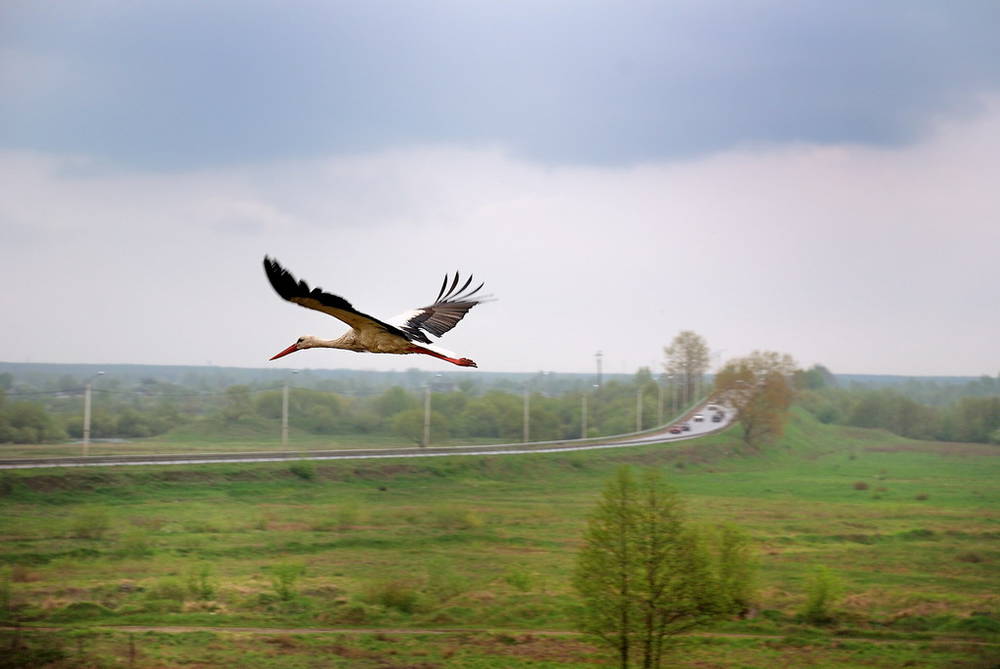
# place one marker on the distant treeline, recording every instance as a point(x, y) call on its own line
point(459, 409)
point(43, 403)
point(918, 408)
point(58, 376)
point(934, 391)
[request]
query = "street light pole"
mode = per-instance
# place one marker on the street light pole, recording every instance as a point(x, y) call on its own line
point(284, 412)
point(86, 412)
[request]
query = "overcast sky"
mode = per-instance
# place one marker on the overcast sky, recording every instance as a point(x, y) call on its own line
point(816, 178)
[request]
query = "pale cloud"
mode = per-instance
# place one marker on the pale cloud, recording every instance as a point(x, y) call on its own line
point(879, 260)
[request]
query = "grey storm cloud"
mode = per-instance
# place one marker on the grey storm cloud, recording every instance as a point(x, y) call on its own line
point(816, 178)
point(183, 85)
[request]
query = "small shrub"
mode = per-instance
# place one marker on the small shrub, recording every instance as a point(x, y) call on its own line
point(395, 594)
point(922, 497)
point(860, 485)
point(199, 583)
point(969, 557)
point(822, 592)
point(284, 578)
point(519, 579)
point(977, 624)
point(304, 469)
point(167, 589)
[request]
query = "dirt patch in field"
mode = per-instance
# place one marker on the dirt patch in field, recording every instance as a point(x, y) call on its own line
point(543, 649)
point(940, 448)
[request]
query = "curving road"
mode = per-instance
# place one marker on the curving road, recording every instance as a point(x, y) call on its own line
point(655, 436)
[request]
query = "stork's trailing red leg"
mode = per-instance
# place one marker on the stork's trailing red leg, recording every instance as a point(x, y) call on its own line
point(461, 362)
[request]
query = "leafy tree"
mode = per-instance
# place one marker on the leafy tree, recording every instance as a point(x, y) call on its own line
point(687, 361)
point(410, 425)
point(237, 403)
point(816, 377)
point(757, 386)
point(28, 423)
point(480, 418)
point(393, 401)
point(644, 576)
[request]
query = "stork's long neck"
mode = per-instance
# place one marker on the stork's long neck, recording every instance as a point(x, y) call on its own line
point(345, 341)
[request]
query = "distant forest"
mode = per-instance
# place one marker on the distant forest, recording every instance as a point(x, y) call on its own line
point(43, 402)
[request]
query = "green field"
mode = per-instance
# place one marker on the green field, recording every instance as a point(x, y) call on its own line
point(464, 561)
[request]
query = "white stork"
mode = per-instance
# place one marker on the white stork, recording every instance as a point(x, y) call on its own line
point(402, 334)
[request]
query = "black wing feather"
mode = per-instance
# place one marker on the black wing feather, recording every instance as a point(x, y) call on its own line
point(299, 292)
point(448, 309)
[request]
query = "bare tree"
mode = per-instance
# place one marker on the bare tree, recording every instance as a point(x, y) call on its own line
point(686, 359)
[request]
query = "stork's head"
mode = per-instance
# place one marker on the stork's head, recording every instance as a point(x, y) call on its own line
point(305, 341)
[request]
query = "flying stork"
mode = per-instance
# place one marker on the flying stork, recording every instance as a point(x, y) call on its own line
point(402, 334)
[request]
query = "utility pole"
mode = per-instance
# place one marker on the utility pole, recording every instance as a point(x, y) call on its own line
point(427, 416)
point(673, 404)
point(659, 403)
point(598, 356)
point(583, 416)
point(86, 412)
point(527, 412)
point(86, 418)
point(638, 410)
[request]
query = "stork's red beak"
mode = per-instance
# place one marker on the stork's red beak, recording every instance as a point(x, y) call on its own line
point(291, 349)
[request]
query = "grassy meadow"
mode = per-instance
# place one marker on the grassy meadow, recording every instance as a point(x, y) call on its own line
point(464, 561)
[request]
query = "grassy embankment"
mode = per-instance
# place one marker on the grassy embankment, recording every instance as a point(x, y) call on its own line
point(910, 528)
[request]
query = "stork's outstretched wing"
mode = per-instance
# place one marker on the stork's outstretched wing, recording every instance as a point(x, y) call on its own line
point(449, 307)
point(299, 292)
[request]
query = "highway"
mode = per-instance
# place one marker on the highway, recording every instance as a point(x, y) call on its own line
point(655, 436)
